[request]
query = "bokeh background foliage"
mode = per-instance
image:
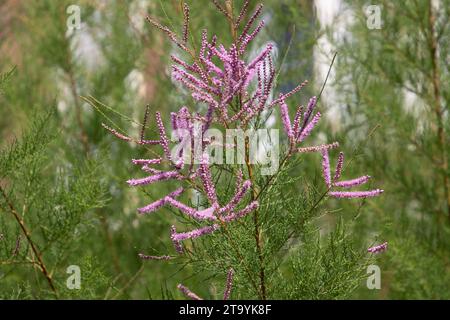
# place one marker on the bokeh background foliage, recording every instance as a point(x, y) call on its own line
point(65, 176)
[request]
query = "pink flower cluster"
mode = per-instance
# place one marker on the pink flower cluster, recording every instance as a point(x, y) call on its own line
point(331, 183)
point(218, 77)
point(378, 248)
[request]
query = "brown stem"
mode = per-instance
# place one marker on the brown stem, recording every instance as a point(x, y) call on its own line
point(441, 139)
point(256, 223)
point(27, 234)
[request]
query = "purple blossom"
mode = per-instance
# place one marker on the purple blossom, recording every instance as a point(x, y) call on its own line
point(146, 161)
point(378, 248)
point(153, 206)
point(149, 142)
point(309, 127)
point(326, 167)
point(159, 203)
point(237, 197)
point(116, 133)
point(249, 37)
point(250, 22)
point(345, 183)
point(285, 119)
point(146, 257)
point(176, 243)
point(339, 165)
point(188, 293)
point(356, 194)
point(152, 179)
point(205, 175)
point(144, 123)
point(194, 233)
point(353, 182)
point(290, 93)
point(297, 119)
point(163, 136)
point(234, 216)
point(318, 148)
point(218, 76)
point(261, 56)
point(311, 105)
point(185, 23)
point(242, 13)
point(207, 214)
point(229, 285)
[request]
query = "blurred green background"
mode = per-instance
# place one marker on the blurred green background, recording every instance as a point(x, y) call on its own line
point(386, 101)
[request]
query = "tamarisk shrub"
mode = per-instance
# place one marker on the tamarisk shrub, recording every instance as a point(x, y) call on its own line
point(250, 230)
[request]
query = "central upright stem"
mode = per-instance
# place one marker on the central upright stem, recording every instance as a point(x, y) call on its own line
point(441, 136)
point(256, 223)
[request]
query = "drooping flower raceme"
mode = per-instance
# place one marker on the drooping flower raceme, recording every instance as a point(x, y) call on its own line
point(218, 76)
point(226, 295)
point(379, 248)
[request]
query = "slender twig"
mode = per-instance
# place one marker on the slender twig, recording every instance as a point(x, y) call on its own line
point(27, 234)
point(256, 223)
point(130, 282)
point(441, 137)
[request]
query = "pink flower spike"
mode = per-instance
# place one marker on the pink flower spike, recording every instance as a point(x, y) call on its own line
point(290, 93)
point(152, 206)
point(176, 243)
point(146, 257)
point(249, 37)
point(182, 207)
point(352, 183)
point(239, 177)
point(159, 203)
point(205, 175)
point(188, 293)
point(379, 248)
point(319, 148)
point(355, 194)
point(307, 130)
point(116, 133)
point(194, 233)
point(311, 105)
point(339, 165)
point(229, 285)
point(237, 197)
point(204, 43)
point(185, 23)
point(242, 13)
point(260, 57)
point(148, 169)
point(157, 177)
point(326, 167)
point(250, 22)
point(162, 133)
point(297, 118)
point(149, 142)
point(285, 119)
point(183, 64)
point(207, 213)
point(173, 121)
point(235, 216)
point(146, 161)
